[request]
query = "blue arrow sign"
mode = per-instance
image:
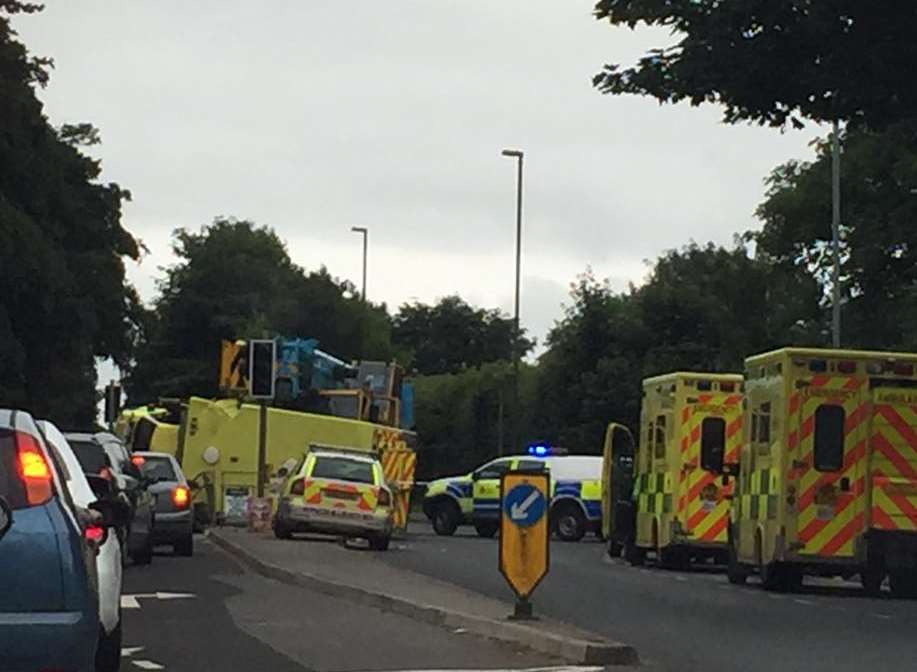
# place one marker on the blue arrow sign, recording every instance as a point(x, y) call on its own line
point(524, 505)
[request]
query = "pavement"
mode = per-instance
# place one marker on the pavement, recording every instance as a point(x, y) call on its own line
point(365, 577)
point(684, 621)
point(209, 613)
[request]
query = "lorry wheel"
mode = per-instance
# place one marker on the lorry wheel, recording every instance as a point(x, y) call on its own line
point(486, 529)
point(569, 523)
point(281, 530)
point(446, 518)
point(614, 548)
point(903, 584)
point(735, 572)
point(635, 555)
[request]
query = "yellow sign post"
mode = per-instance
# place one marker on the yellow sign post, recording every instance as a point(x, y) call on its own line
point(524, 534)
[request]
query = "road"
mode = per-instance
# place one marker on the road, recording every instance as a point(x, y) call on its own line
point(682, 621)
point(207, 613)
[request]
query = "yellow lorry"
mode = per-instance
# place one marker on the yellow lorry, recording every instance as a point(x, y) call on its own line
point(829, 469)
point(682, 473)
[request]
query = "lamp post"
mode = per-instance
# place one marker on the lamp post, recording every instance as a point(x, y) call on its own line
point(365, 232)
point(516, 154)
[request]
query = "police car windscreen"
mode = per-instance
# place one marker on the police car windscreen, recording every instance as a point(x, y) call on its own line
point(343, 469)
point(576, 468)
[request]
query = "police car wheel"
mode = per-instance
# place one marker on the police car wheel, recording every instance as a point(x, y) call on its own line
point(569, 523)
point(445, 519)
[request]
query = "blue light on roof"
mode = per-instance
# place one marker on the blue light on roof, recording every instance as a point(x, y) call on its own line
point(539, 450)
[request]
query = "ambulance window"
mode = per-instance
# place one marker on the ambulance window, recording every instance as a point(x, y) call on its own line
point(764, 423)
point(829, 437)
point(659, 439)
point(712, 444)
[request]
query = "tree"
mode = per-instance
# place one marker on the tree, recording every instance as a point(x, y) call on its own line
point(451, 336)
point(63, 295)
point(775, 61)
point(236, 280)
point(879, 243)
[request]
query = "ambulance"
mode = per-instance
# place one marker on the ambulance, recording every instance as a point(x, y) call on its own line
point(474, 499)
point(683, 471)
point(828, 485)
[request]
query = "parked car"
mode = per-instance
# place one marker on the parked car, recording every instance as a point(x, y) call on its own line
point(174, 520)
point(49, 612)
point(108, 556)
point(102, 454)
point(336, 491)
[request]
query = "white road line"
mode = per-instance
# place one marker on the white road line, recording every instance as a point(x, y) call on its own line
point(148, 665)
point(129, 602)
point(127, 651)
point(680, 578)
point(806, 602)
point(884, 616)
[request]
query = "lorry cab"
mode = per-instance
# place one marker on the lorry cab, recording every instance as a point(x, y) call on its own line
point(691, 432)
point(829, 480)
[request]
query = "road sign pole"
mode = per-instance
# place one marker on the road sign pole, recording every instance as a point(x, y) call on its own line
point(523, 610)
point(262, 447)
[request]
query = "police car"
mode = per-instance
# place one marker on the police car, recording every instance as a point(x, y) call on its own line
point(474, 499)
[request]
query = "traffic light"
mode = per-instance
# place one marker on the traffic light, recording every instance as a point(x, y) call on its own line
point(261, 358)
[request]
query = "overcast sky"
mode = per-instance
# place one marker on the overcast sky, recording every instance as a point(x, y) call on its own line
point(312, 116)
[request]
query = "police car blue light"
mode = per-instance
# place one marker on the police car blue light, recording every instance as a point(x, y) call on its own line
point(539, 450)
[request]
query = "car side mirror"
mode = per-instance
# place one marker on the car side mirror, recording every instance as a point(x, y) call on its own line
point(101, 487)
point(6, 517)
point(475, 476)
point(114, 513)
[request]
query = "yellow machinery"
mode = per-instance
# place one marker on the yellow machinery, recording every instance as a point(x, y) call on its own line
point(691, 432)
point(219, 451)
point(829, 469)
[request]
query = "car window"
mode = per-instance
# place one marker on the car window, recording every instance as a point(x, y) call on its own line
point(11, 487)
point(158, 469)
point(531, 465)
point(712, 444)
point(343, 469)
point(493, 469)
point(91, 456)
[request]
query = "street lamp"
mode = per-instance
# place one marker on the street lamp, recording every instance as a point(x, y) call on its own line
point(365, 232)
point(516, 154)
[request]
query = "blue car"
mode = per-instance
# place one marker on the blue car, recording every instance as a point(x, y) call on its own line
point(49, 616)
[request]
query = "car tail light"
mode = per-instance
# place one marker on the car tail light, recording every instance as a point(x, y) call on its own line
point(138, 460)
point(181, 496)
point(95, 534)
point(385, 497)
point(298, 487)
point(34, 471)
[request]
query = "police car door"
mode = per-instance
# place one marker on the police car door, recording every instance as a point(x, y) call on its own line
point(486, 489)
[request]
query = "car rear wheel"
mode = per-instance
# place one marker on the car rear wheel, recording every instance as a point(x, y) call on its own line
point(185, 547)
point(569, 523)
point(379, 543)
point(108, 653)
point(446, 518)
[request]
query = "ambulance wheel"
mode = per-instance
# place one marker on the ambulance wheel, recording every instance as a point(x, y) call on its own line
point(871, 579)
point(614, 548)
point(635, 555)
point(486, 529)
point(735, 572)
point(379, 543)
point(569, 522)
point(903, 583)
point(446, 518)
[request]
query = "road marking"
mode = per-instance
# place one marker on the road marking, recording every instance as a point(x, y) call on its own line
point(127, 651)
point(800, 601)
point(132, 601)
point(148, 665)
point(884, 616)
point(680, 578)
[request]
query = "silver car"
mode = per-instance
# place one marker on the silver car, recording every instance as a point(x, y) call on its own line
point(173, 518)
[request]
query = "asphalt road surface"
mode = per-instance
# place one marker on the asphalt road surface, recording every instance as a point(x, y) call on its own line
point(208, 613)
point(685, 621)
